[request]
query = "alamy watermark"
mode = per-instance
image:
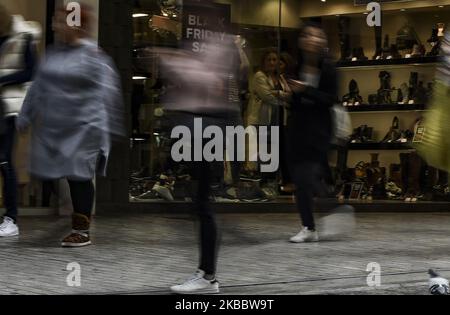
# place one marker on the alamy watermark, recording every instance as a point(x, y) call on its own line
point(227, 144)
point(74, 17)
point(374, 17)
point(374, 276)
point(74, 277)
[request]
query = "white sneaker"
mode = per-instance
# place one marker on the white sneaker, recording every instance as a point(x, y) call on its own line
point(8, 228)
point(197, 285)
point(305, 235)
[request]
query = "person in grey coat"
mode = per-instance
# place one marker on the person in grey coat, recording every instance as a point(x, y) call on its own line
point(74, 108)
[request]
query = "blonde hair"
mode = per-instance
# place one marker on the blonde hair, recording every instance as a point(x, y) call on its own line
point(5, 21)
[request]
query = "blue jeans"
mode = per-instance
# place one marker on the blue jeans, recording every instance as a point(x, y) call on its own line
point(7, 168)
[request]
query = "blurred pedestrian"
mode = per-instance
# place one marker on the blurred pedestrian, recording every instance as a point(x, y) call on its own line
point(435, 143)
point(18, 58)
point(74, 107)
point(212, 94)
point(310, 123)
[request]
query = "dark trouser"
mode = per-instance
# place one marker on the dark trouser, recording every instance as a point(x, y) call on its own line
point(286, 177)
point(208, 226)
point(327, 173)
point(82, 194)
point(307, 176)
point(7, 168)
point(48, 187)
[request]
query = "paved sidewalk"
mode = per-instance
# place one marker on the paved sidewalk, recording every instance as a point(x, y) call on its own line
point(145, 254)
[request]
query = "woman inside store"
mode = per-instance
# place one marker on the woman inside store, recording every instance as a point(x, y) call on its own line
point(310, 123)
point(74, 107)
point(269, 92)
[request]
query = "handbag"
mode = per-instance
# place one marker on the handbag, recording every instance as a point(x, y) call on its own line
point(342, 125)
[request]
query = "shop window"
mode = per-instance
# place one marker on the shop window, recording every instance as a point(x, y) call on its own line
point(178, 26)
point(386, 76)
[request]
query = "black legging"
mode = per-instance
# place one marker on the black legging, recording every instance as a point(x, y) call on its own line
point(208, 226)
point(307, 178)
point(82, 194)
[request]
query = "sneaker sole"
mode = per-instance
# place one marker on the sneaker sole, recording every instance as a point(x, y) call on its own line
point(196, 292)
point(75, 245)
point(10, 235)
point(306, 241)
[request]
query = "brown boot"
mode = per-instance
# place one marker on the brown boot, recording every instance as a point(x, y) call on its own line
point(80, 232)
point(415, 169)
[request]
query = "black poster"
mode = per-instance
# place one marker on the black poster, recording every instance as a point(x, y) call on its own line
point(203, 20)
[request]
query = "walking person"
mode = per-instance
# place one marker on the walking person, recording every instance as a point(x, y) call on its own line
point(209, 92)
point(310, 123)
point(17, 64)
point(73, 107)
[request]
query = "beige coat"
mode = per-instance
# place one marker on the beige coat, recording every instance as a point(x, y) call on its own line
point(263, 99)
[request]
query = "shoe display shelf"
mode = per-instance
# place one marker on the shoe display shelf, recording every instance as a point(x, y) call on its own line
point(379, 146)
point(382, 76)
point(389, 62)
point(385, 108)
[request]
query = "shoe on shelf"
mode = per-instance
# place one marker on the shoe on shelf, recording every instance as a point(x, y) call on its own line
point(270, 190)
point(8, 228)
point(253, 194)
point(165, 191)
point(394, 133)
point(249, 176)
point(197, 285)
point(165, 187)
point(142, 173)
point(225, 195)
point(305, 235)
point(147, 196)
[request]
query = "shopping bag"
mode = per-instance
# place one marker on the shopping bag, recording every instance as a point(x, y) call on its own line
point(435, 140)
point(342, 124)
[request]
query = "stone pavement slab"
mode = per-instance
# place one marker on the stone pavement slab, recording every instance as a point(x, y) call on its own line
point(146, 253)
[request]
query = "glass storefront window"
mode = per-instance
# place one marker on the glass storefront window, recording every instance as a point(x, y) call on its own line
point(385, 81)
point(187, 26)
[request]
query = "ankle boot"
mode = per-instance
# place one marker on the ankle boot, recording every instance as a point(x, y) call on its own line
point(394, 132)
point(378, 42)
point(415, 168)
point(413, 83)
point(443, 178)
point(430, 182)
point(395, 174)
point(386, 48)
point(344, 37)
point(404, 169)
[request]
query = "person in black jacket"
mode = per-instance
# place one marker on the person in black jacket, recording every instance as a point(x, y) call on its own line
point(310, 123)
